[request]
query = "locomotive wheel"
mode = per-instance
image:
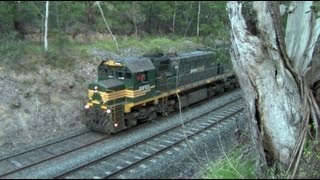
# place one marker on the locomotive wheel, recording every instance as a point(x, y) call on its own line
point(152, 116)
point(131, 122)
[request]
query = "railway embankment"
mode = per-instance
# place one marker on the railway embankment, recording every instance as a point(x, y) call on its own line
point(40, 103)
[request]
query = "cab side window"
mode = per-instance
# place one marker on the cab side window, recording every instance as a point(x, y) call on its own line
point(111, 73)
point(123, 74)
point(128, 75)
point(120, 75)
point(142, 77)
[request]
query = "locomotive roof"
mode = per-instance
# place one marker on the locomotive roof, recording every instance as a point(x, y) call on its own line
point(187, 55)
point(137, 64)
point(112, 84)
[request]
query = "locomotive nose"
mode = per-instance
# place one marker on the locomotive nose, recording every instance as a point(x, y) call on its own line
point(96, 98)
point(100, 120)
point(105, 91)
point(100, 113)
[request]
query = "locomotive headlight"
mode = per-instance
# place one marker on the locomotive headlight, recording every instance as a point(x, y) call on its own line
point(116, 125)
point(96, 87)
point(86, 106)
point(108, 111)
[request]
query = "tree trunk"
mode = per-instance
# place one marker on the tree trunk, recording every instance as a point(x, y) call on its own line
point(58, 27)
point(136, 28)
point(150, 7)
point(46, 28)
point(135, 17)
point(276, 75)
point(188, 21)
point(89, 13)
point(89, 17)
point(174, 16)
point(187, 28)
point(104, 19)
point(199, 7)
point(42, 23)
point(18, 22)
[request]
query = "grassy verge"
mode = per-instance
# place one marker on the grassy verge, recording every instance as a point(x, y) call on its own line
point(24, 56)
point(237, 165)
point(148, 44)
point(233, 166)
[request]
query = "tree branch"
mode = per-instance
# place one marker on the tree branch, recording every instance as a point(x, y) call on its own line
point(105, 22)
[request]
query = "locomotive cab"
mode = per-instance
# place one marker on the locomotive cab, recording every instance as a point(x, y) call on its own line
point(120, 84)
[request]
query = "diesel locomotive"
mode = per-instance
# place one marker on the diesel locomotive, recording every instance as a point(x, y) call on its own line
point(131, 90)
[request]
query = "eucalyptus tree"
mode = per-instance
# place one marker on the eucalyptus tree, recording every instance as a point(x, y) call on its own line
point(198, 19)
point(174, 16)
point(104, 19)
point(6, 9)
point(214, 20)
point(277, 68)
point(135, 15)
point(46, 27)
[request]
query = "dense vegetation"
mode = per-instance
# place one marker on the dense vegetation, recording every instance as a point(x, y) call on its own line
point(140, 18)
point(76, 27)
point(75, 30)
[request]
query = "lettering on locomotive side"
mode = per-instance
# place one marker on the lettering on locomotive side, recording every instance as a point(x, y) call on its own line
point(144, 87)
point(198, 69)
point(193, 70)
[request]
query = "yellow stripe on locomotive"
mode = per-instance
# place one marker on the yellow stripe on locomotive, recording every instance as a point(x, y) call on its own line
point(134, 89)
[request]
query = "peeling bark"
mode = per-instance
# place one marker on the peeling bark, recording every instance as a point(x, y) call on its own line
point(276, 72)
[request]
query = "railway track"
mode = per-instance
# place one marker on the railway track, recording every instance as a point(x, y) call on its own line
point(114, 164)
point(31, 157)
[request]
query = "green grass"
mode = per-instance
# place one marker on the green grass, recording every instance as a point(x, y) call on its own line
point(25, 56)
point(147, 45)
point(17, 56)
point(231, 167)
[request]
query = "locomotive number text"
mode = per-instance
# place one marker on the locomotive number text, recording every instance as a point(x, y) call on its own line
point(144, 87)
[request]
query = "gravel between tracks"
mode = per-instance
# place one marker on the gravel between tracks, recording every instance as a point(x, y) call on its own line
point(49, 169)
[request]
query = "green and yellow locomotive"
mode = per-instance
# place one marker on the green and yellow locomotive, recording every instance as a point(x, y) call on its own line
point(130, 90)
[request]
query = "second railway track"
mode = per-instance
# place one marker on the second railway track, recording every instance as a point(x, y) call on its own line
point(113, 164)
point(31, 157)
point(136, 152)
